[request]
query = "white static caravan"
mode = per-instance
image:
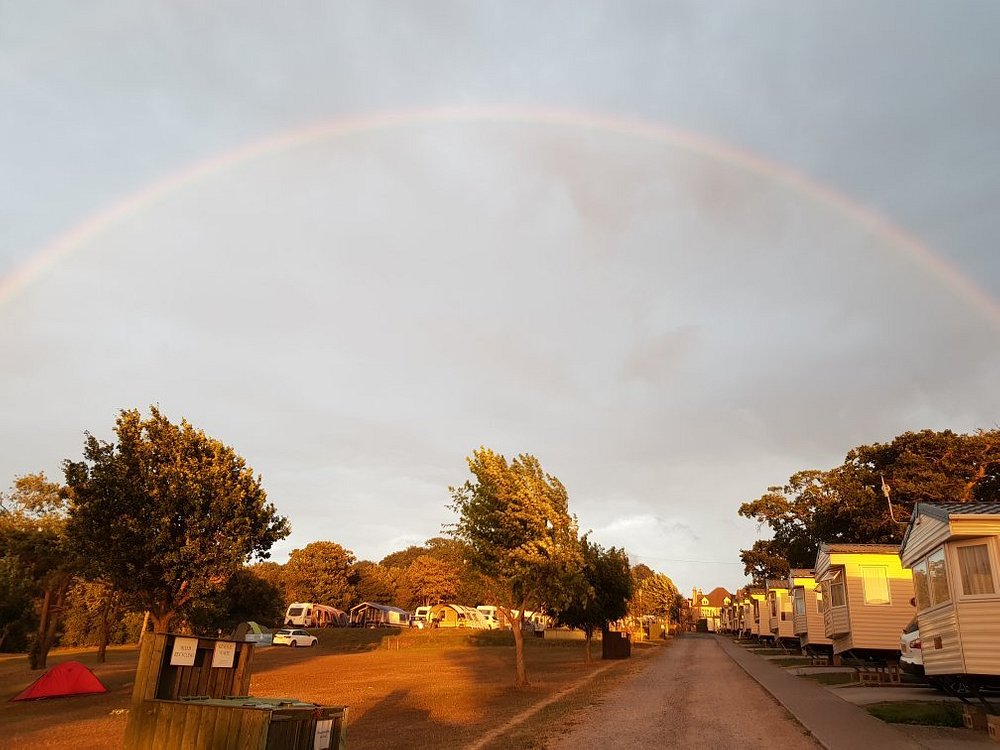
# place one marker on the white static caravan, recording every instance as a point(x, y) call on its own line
point(866, 598)
point(807, 612)
point(779, 612)
point(757, 622)
point(953, 550)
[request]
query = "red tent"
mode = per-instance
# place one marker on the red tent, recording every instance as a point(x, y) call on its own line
point(68, 678)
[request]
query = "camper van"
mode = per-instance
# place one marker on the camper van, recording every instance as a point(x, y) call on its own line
point(311, 615)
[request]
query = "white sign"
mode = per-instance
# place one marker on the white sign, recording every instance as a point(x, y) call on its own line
point(324, 730)
point(225, 651)
point(184, 652)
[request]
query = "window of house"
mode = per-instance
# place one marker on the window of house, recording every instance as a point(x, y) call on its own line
point(774, 607)
point(937, 578)
point(875, 584)
point(975, 569)
point(820, 604)
point(921, 586)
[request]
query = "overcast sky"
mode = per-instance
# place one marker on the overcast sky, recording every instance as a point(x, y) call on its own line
point(676, 250)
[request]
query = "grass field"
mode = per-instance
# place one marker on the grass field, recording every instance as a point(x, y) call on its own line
point(411, 687)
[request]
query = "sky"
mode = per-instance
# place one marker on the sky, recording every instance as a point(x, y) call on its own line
point(677, 251)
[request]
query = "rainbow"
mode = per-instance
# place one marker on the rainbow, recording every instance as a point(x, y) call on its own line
point(957, 282)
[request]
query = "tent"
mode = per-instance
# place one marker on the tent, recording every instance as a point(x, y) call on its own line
point(252, 633)
point(68, 678)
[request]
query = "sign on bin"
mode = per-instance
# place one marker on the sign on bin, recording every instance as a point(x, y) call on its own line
point(324, 731)
point(184, 652)
point(224, 654)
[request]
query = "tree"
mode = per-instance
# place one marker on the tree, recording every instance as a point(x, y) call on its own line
point(17, 595)
point(657, 596)
point(604, 594)
point(375, 583)
point(245, 597)
point(848, 503)
point(427, 580)
point(515, 520)
point(321, 572)
point(167, 514)
point(33, 530)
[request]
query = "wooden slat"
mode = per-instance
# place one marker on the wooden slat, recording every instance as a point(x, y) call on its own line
point(193, 717)
point(221, 731)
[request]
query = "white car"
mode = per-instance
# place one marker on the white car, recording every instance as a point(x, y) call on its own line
point(911, 657)
point(293, 637)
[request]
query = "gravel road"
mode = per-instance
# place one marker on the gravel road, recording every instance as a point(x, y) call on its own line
point(691, 696)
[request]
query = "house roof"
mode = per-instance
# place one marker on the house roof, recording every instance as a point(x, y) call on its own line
point(801, 573)
point(860, 549)
point(943, 510)
point(717, 596)
point(777, 584)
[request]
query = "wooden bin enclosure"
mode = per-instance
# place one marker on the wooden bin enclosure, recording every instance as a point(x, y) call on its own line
point(191, 694)
point(615, 645)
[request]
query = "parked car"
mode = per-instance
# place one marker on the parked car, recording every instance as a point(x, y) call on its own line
point(911, 657)
point(293, 637)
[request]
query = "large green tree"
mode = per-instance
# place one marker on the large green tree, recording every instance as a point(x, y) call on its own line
point(427, 580)
point(166, 514)
point(604, 593)
point(322, 572)
point(521, 537)
point(33, 532)
point(848, 503)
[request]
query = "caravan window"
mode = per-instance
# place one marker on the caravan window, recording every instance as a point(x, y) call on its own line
point(975, 569)
point(937, 578)
point(875, 584)
point(921, 586)
point(835, 584)
point(800, 602)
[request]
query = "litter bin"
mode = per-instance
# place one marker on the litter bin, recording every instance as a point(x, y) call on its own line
point(192, 693)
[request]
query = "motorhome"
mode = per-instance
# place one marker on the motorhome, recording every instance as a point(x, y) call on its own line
point(312, 615)
point(421, 617)
point(493, 616)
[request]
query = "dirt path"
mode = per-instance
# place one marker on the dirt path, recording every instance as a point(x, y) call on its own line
point(692, 695)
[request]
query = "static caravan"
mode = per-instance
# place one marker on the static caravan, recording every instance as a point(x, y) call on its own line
point(953, 550)
point(372, 615)
point(866, 598)
point(807, 612)
point(779, 612)
point(457, 616)
point(758, 614)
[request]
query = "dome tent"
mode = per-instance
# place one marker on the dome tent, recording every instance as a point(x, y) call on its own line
point(68, 678)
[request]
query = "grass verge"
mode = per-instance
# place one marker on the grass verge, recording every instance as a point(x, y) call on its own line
point(830, 678)
point(935, 714)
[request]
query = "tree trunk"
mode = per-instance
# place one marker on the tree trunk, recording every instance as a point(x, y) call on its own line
point(48, 620)
point(588, 632)
point(106, 610)
point(161, 621)
point(521, 677)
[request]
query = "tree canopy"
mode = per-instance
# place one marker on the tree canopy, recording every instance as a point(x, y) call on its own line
point(848, 503)
point(604, 594)
point(515, 520)
point(167, 514)
point(322, 572)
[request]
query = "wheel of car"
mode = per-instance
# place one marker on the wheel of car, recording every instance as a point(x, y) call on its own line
point(313, 643)
point(293, 643)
